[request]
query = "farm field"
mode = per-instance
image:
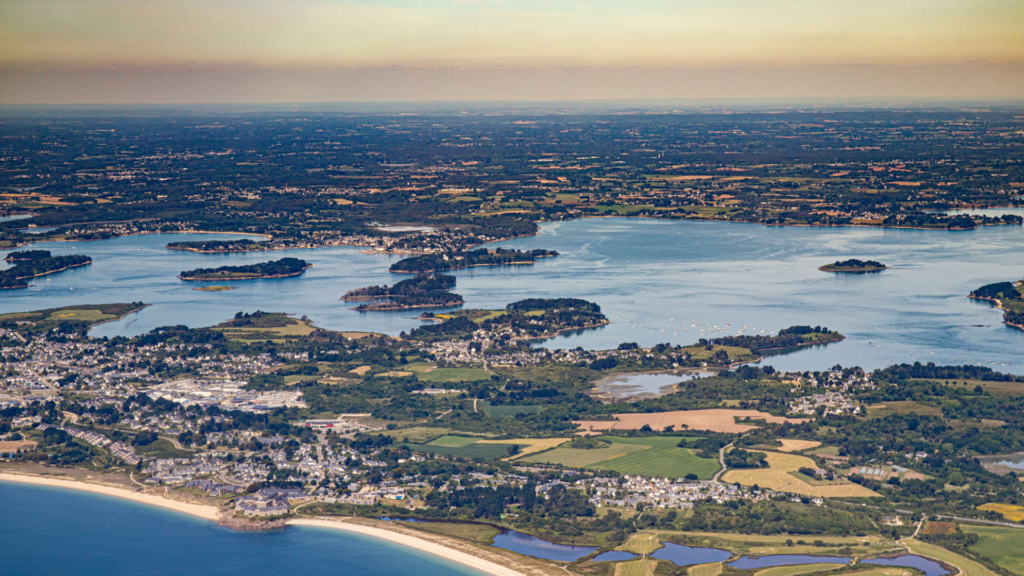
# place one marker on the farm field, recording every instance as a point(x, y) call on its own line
point(778, 477)
point(462, 447)
point(656, 456)
point(902, 407)
point(1011, 512)
point(791, 445)
point(714, 420)
point(529, 445)
point(712, 569)
point(641, 567)
point(1004, 546)
point(453, 441)
point(797, 570)
point(418, 435)
point(969, 567)
point(430, 373)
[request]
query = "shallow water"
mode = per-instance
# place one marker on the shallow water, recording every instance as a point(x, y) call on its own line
point(530, 546)
point(928, 566)
point(57, 532)
point(689, 555)
point(641, 384)
point(658, 281)
point(614, 556)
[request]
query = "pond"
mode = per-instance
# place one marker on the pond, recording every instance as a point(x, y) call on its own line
point(749, 562)
point(530, 546)
point(928, 566)
point(689, 555)
point(641, 385)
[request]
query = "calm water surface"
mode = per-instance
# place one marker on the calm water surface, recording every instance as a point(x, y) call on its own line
point(641, 384)
point(54, 532)
point(530, 546)
point(929, 567)
point(614, 556)
point(657, 281)
point(689, 555)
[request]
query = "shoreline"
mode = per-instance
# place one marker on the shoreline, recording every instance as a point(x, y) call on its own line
point(999, 305)
point(421, 544)
point(197, 510)
point(212, 514)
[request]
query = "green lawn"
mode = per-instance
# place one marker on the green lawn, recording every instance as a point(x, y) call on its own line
point(1004, 546)
point(162, 448)
point(454, 441)
point(475, 450)
point(454, 375)
point(656, 456)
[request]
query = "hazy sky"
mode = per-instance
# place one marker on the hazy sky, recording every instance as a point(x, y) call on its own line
point(334, 50)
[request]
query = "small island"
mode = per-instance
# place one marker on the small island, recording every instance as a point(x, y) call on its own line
point(457, 261)
point(26, 267)
point(27, 255)
point(1007, 296)
point(855, 266)
point(221, 246)
point(283, 268)
point(428, 290)
point(214, 288)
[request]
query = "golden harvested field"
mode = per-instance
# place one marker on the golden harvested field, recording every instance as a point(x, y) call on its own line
point(642, 543)
point(790, 445)
point(533, 445)
point(777, 477)
point(798, 569)
point(1011, 512)
point(643, 567)
point(712, 569)
point(939, 528)
point(15, 445)
point(714, 420)
point(360, 371)
point(394, 374)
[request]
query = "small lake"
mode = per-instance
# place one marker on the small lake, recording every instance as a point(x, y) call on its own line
point(749, 562)
point(530, 546)
point(614, 556)
point(929, 567)
point(690, 555)
point(641, 385)
point(1014, 461)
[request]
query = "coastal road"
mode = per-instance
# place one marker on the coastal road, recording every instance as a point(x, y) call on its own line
point(721, 462)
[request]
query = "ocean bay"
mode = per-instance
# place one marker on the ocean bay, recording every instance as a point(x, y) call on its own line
point(658, 281)
point(57, 531)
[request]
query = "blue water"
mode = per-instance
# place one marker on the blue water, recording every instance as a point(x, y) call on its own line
point(648, 276)
point(748, 562)
point(929, 567)
point(55, 532)
point(688, 555)
point(530, 546)
point(615, 556)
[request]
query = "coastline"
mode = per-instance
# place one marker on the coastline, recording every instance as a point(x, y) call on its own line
point(999, 305)
point(212, 514)
point(421, 544)
point(198, 510)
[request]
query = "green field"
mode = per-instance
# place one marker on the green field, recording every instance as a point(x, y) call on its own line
point(162, 448)
point(417, 435)
point(902, 407)
point(508, 411)
point(799, 569)
point(656, 456)
point(454, 375)
point(473, 451)
point(454, 441)
point(1003, 546)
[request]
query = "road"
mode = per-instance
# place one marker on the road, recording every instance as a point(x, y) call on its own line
point(721, 462)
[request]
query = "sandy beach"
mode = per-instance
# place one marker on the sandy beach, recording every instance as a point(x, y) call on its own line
point(412, 542)
point(207, 512)
point(211, 513)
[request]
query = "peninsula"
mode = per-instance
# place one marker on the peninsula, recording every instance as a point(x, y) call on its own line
point(27, 255)
point(853, 265)
point(1007, 297)
point(427, 290)
point(457, 261)
point(283, 268)
point(26, 268)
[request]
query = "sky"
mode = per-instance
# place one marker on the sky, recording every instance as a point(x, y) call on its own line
point(180, 51)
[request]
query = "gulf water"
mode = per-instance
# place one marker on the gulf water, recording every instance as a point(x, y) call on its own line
point(56, 532)
point(658, 281)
